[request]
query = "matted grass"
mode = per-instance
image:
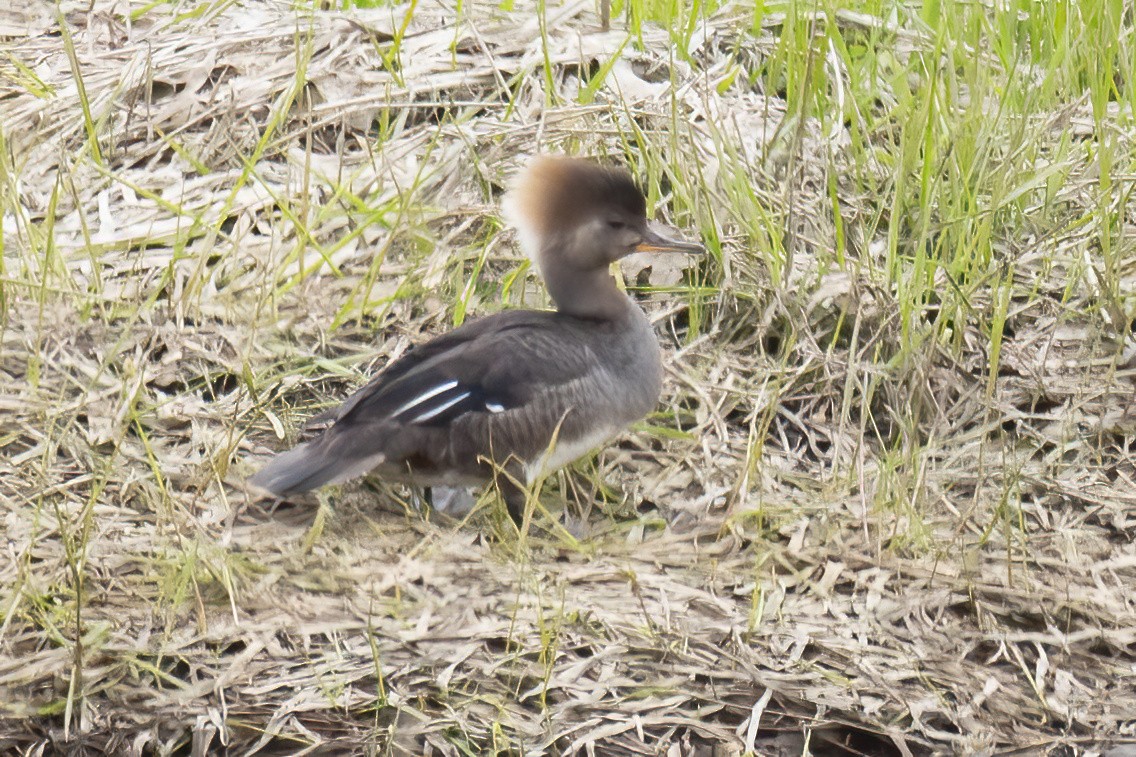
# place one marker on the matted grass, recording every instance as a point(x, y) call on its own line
point(887, 505)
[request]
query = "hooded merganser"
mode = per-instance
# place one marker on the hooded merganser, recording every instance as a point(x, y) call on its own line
point(522, 391)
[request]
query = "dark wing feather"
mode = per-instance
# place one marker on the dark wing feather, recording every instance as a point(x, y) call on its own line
point(491, 365)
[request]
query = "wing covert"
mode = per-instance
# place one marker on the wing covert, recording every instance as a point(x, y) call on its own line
point(463, 372)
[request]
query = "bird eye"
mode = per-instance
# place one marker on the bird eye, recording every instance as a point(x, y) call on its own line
point(616, 224)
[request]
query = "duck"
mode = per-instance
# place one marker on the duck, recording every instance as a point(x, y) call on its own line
point(513, 396)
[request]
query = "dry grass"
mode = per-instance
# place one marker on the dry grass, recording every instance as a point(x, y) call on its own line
point(883, 510)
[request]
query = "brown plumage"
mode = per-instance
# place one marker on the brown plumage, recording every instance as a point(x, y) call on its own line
point(495, 392)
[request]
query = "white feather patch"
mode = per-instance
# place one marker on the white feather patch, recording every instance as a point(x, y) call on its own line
point(428, 394)
point(566, 452)
point(440, 409)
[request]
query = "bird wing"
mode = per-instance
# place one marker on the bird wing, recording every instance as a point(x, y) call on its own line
point(491, 365)
point(433, 404)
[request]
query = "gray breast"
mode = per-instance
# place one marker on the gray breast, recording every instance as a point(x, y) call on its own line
point(621, 386)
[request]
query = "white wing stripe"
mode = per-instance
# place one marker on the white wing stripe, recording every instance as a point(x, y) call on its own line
point(440, 408)
point(425, 396)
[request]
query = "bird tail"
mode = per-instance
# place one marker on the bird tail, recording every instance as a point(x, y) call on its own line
point(310, 466)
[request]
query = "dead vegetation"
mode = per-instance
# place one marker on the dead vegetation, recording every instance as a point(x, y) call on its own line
point(869, 519)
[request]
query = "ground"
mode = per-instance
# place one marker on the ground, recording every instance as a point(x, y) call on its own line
point(886, 505)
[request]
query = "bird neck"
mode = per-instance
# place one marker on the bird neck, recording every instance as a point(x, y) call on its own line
point(586, 294)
